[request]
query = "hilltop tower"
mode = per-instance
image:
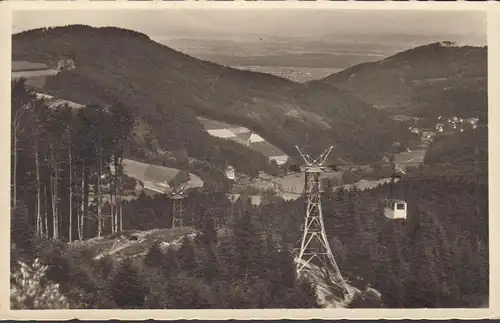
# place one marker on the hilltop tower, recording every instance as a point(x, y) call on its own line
point(314, 248)
point(177, 196)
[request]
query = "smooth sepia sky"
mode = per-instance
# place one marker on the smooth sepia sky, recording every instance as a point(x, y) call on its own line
point(463, 26)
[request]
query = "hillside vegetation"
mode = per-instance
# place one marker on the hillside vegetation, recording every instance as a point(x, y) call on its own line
point(166, 90)
point(436, 258)
point(426, 81)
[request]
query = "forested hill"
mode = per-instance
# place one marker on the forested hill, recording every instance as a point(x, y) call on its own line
point(167, 89)
point(462, 153)
point(426, 81)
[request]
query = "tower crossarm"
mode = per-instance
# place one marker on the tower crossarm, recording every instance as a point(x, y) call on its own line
point(169, 191)
point(308, 159)
point(183, 187)
point(323, 157)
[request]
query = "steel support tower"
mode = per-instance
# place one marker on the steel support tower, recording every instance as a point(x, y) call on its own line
point(177, 196)
point(177, 210)
point(314, 244)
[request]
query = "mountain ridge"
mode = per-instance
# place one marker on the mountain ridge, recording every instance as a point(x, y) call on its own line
point(168, 89)
point(426, 81)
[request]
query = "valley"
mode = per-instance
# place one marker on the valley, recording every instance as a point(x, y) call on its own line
point(95, 131)
point(296, 74)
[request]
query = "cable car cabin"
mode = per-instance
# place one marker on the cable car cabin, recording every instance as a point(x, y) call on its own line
point(395, 209)
point(230, 173)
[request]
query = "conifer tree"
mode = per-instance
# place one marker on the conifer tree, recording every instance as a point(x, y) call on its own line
point(154, 257)
point(126, 287)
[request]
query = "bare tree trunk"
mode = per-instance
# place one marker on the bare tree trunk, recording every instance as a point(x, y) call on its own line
point(51, 182)
point(112, 194)
point(84, 201)
point(38, 189)
point(99, 197)
point(45, 213)
point(85, 213)
point(14, 176)
point(121, 216)
point(119, 190)
point(56, 199)
point(77, 208)
point(53, 179)
point(117, 213)
point(112, 212)
point(70, 232)
point(78, 205)
point(80, 210)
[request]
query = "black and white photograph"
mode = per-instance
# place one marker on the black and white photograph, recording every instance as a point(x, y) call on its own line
point(249, 158)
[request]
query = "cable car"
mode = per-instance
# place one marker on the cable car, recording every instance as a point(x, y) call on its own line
point(395, 209)
point(230, 173)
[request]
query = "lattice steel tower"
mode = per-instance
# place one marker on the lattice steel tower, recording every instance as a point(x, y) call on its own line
point(177, 196)
point(314, 245)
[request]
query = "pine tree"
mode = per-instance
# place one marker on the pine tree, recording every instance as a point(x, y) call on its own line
point(154, 257)
point(169, 265)
point(187, 292)
point(186, 257)
point(126, 288)
point(248, 248)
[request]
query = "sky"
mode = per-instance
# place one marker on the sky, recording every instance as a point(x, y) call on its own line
point(240, 24)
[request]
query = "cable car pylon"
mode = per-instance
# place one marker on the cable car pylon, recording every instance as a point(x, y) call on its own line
point(314, 245)
point(177, 196)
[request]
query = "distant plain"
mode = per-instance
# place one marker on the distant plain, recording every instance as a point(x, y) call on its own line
point(298, 59)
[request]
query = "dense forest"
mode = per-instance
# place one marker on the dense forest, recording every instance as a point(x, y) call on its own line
point(241, 256)
point(438, 257)
point(244, 268)
point(66, 167)
point(66, 163)
point(169, 89)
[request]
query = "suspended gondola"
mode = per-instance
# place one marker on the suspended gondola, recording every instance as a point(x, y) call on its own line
point(395, 208)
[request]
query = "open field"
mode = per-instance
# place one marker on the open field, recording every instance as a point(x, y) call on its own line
point(18, 66)
point(242, 135)
point(412, 158)
point(34, 73)
point(35, 79)
point(152, 174)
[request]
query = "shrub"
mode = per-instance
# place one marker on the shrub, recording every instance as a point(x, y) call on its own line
point(31, 290)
